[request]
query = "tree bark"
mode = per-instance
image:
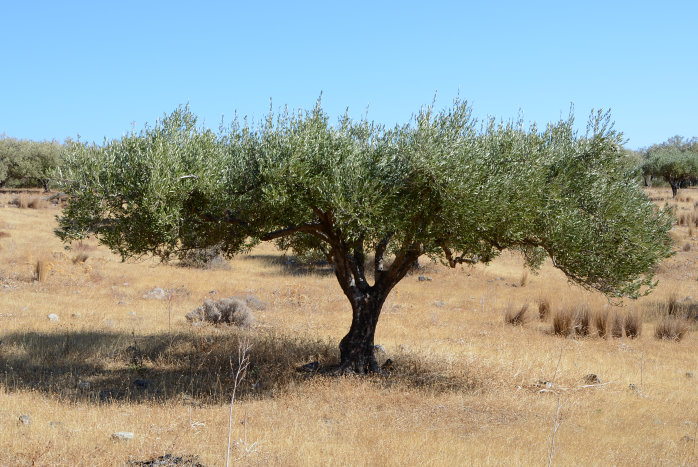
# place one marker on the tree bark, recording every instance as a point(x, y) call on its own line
point(357, 347)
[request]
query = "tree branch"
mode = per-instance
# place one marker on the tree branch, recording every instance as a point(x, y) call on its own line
point(458, 259)
point(380, 253)
point(312, 229)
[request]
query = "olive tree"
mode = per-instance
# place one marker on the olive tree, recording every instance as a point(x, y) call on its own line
point(372, 199)
point(28, 163)
point(677, 164)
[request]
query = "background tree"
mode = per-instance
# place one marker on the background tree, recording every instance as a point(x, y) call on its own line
point(28, 163)
point(372, 199)
point(675, 160)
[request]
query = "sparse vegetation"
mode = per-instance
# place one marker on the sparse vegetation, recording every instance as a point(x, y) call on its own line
point(111, 364)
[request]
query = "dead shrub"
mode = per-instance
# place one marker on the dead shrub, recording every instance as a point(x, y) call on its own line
point(226, 310)
point(543, 309)
point(211, 257)
point(671, 328)
point(562, 322)
point(582, 319)
point(633, 324)
point(516, 317)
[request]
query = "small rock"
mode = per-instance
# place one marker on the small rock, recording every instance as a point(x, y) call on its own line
point(591, 378)
point(213, 292)
point(157, 293)
point(423, 278)
point(132, 313)
point(379, 348)
point(439, 303)
point(84, 385)
point(75, 315)
point(25, 419)
point(121, 303)
point(53, 317)
point(688, 439)
point(690, 374)
point(122, 435)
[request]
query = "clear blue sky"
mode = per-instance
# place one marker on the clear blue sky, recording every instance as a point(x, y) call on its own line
point(97, 68)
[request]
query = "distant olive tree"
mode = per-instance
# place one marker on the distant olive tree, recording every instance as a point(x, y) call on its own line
point(29, 163)
point(372, 200)
point(675, 160)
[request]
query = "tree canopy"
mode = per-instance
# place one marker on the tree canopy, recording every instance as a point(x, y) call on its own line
point(443, 185)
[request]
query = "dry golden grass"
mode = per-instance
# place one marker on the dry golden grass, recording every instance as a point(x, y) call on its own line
point(464, 389)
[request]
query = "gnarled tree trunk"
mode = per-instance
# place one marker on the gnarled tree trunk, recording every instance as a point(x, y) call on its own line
point(357, 347)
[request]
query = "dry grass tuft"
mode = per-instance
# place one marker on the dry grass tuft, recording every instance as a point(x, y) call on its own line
point(81, 250)
point(615, 324)
point(37, 203)
point(516, 317)
point(582, 320)
point(601, 322)
point(633, 324)
point(563, 320)
point(524, 278)
point(671, 328)
point(672, 304)
point(543, 309)
point(21, 201)
point(41, 270)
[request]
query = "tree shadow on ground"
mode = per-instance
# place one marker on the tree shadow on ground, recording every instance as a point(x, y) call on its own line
point(292, 266)
point(196, 366)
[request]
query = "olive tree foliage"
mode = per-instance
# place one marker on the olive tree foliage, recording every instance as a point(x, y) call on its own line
point(373, 199)
point(675, 160)
point(28, 163)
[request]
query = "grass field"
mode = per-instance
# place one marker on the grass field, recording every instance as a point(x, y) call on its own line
point(465, 388)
